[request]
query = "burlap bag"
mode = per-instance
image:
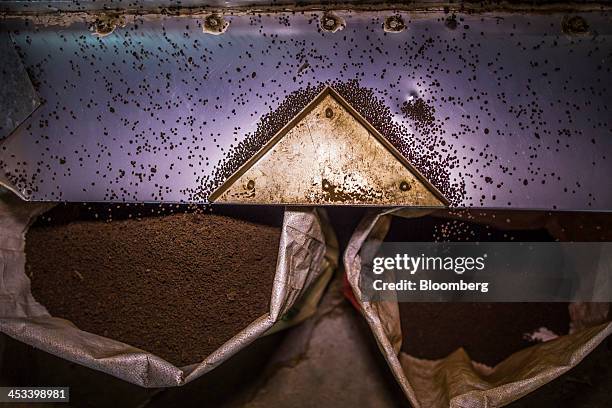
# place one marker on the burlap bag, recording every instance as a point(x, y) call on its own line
point(306, 259)
point(457, 381)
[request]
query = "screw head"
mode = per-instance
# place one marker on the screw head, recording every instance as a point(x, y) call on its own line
point(329, 113)
point(251, 184)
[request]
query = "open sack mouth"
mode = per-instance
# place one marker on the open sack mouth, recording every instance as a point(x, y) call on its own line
point(486, 343)
point(158, 295)
point(177, 285)
point(434, 330)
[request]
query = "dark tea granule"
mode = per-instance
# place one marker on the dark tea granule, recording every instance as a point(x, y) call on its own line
point(178, 286)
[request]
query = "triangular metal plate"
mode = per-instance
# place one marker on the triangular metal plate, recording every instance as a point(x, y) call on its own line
point(328, 155)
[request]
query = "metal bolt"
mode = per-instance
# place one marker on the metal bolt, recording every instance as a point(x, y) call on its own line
point(251, 185)
point(394, 24)
point(405, 186)
point(105, 25)
point(329, 113)
point(451, 22)
point(574, 25)
point(331, 22)
point(214, 24)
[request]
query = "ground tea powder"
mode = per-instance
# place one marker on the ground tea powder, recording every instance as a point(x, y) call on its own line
point(178, 285)
point(489, 332)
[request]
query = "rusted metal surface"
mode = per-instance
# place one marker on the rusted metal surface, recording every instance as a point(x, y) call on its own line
point(513, 109)
point(328, 155)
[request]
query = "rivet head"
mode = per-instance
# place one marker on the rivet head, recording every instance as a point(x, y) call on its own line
point(329, 113)
point(214, 24)
point(106, 24)
point(331, 22)
point(405, 186)
point(451, 22)
point(574, 25)
point(251, 185)
point(394, 24)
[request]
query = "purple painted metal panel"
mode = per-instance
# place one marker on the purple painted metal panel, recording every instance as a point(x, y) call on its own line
point(515, 111)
